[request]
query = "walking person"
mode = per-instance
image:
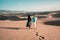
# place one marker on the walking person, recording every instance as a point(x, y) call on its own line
point(34, 21)
point(29, 22)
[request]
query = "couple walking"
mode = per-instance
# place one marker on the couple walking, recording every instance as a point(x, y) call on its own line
point(31, 20)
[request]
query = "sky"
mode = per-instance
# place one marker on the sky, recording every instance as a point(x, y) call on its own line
point(30, 5)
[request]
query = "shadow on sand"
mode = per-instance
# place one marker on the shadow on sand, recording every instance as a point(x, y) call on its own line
point(12, 18)
point(14, 28)
point(55, 23)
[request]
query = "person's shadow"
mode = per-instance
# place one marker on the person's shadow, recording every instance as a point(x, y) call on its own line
point(14, 28)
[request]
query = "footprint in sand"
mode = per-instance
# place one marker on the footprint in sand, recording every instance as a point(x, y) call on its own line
point(39, 38)
point(42, 37)
point(36, 33)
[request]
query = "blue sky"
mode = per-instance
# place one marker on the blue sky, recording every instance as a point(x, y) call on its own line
point(30, 5)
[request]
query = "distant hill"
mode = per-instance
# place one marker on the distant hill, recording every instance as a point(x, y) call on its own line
point(5, 11)
point(26, 11)
point(11, 11)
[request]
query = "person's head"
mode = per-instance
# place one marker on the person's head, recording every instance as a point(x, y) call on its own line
point(28, 16)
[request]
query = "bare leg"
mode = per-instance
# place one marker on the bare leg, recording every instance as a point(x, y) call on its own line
point(34, 24)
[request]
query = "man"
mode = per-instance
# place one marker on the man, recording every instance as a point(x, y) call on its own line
point(28, 22)
point(34, 20)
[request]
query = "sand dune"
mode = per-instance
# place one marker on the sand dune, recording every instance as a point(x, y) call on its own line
point(16, 30)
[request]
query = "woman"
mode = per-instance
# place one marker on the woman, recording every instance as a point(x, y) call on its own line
point(34, 20)
point(29, 22)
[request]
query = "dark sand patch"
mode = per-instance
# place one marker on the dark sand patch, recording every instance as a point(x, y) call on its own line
point(12, 18)
point(55, 22)
point(14, 28)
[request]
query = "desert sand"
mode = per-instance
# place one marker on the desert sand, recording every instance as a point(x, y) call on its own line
point(17, 30)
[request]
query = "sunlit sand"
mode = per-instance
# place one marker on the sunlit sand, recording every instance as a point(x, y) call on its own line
point(16, 30)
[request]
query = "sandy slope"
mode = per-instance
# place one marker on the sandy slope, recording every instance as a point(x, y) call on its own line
point(16, 30)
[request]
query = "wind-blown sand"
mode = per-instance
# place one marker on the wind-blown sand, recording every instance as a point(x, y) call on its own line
point(16, 30)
